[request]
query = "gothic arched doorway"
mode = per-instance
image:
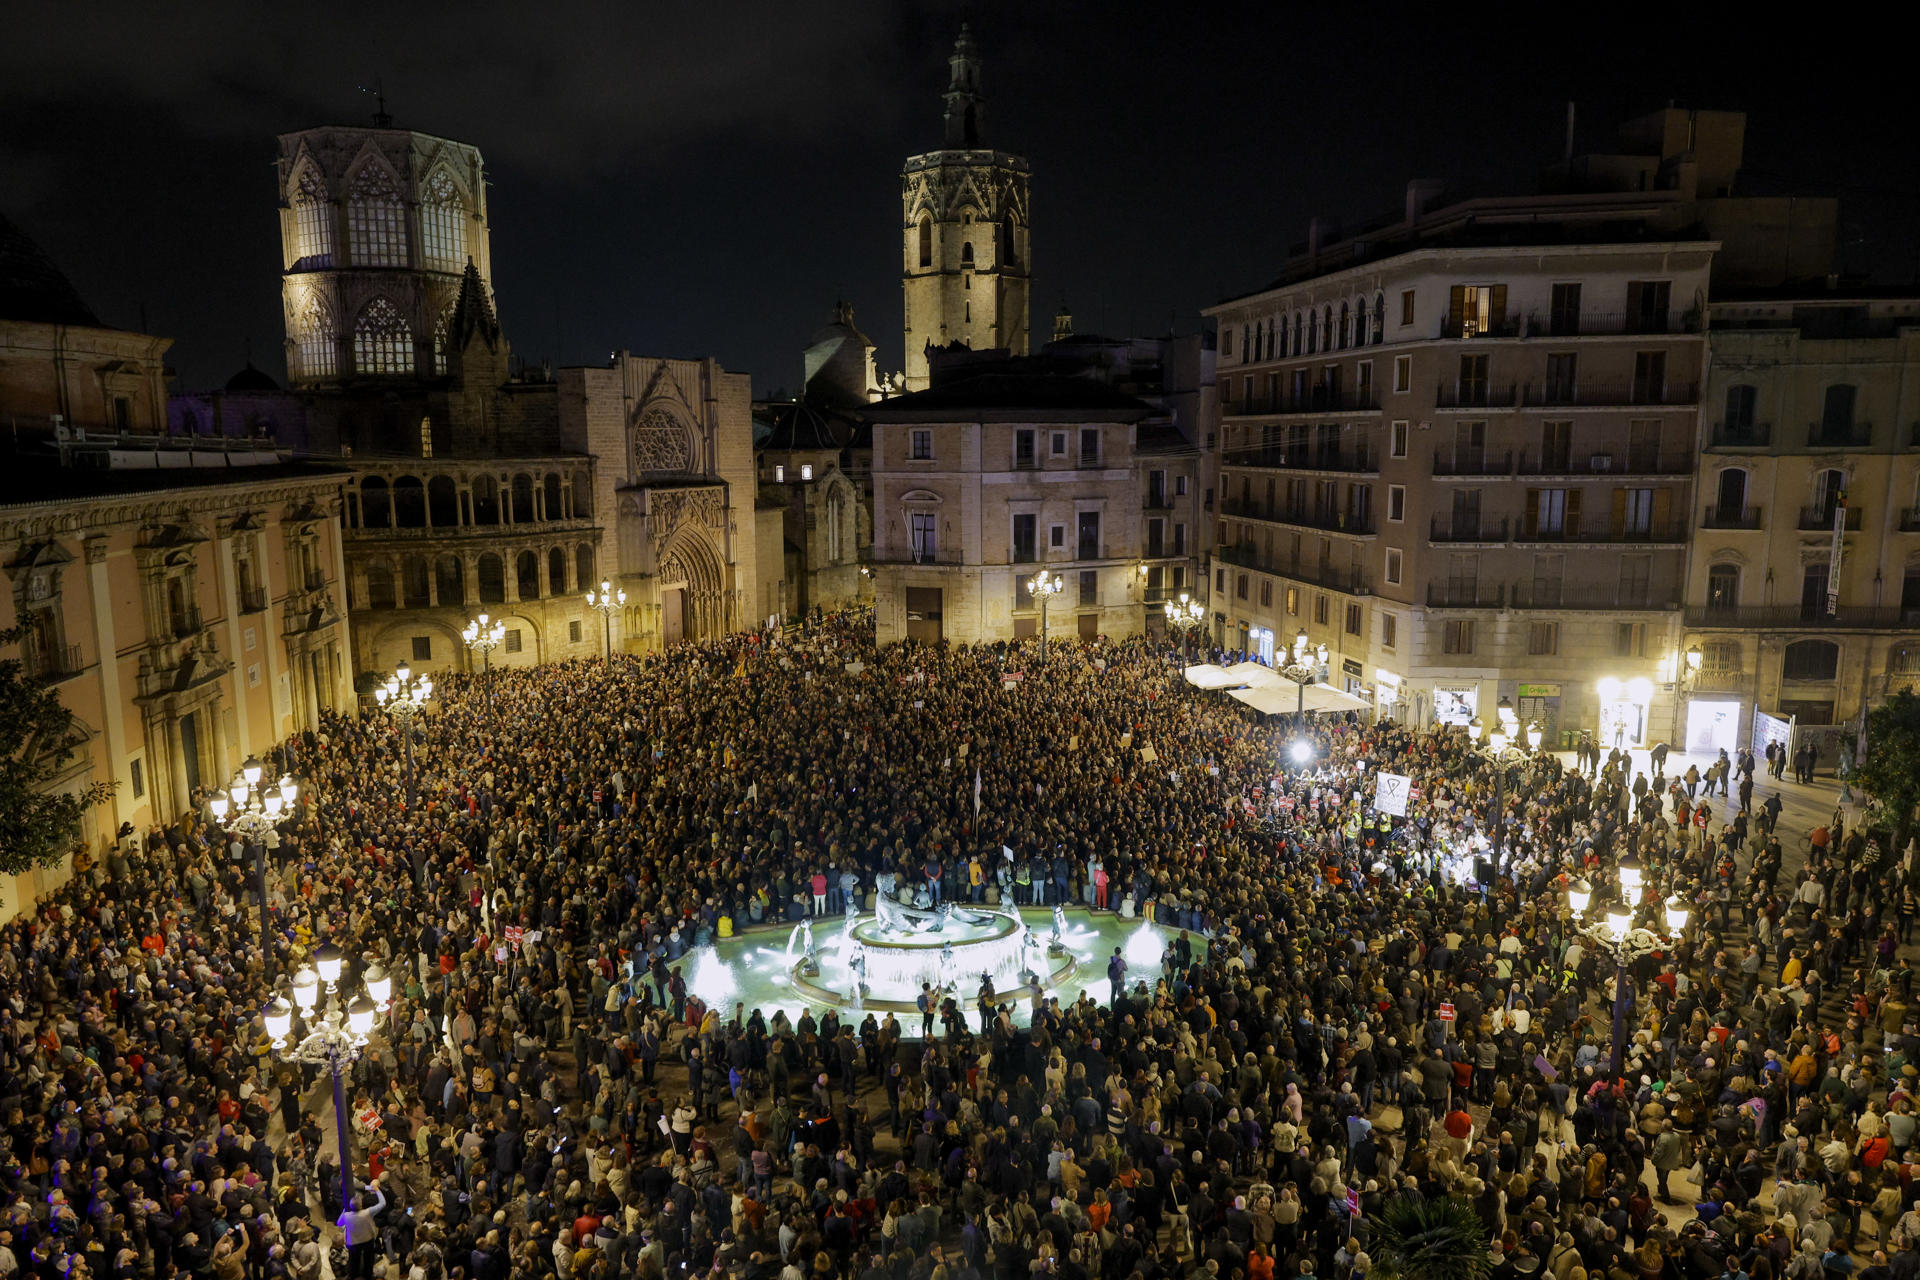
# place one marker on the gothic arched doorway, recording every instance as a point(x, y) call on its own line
point(692, 590)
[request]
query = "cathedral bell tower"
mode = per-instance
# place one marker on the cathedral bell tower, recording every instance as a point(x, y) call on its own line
point(964, 232)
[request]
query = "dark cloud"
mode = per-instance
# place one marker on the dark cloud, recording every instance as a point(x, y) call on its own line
point(559, 89)
point(706, 179)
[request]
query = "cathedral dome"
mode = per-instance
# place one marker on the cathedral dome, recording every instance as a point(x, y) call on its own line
point(252, 379)
point(839, 362)
point(32, 289)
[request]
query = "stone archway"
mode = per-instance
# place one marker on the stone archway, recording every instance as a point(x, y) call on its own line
point(693, 595)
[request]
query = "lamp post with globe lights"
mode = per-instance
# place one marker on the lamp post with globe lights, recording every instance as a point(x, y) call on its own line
point(1305, 666)
point(607, 601)
point(1502, 751)
point(404, 696)
point(252, 813)
point(483, 636)
point(1044, 586)
point(1616, 934)
point(333, 1038)
point(1183, 615)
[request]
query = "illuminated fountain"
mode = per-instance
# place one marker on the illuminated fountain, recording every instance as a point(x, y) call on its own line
point(880, 961)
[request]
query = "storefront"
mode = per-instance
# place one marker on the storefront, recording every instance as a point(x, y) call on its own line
point(1713, 725)
point(1623, 712)
point(1260, 644)
point(1540, 704)
point(1387, 702)
point(1455, 704)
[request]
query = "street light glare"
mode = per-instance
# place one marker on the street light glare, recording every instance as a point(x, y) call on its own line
point(1302, 752)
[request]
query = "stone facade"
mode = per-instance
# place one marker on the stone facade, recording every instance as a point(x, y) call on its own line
point(1811, 411)
point(980, 483)
point(187, 624)
point(965, 264)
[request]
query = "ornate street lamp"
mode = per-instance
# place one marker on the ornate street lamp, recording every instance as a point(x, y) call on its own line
point(404, 696)
point(607, 601)
point(484, 637)
point(1044, 586)
point(1502, 751)
point(1304, 667)
point(1615, 934)
point(333, 1039)
point(1183, 615)
point(252, 813)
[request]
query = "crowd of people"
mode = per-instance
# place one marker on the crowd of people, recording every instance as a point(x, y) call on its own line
point(1357, 1010)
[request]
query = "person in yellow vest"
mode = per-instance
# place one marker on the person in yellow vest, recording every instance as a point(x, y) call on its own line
point(1791, 970)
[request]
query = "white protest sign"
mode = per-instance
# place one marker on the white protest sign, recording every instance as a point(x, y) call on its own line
point(1390, 793)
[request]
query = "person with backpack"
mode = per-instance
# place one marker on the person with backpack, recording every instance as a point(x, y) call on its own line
point(1116, 975)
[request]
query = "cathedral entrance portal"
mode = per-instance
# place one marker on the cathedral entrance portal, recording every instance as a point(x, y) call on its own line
point(673, 615)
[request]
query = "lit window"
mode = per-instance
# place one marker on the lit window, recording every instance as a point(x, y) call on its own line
point(316, 339)
point(382, 342)
point(376, 219)
point(440, 346)
point(443, 228)
point(779, 474)
point(312, 221)
point(426, 437)
point(806, 471)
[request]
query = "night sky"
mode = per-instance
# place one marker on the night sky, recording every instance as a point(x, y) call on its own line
point(691, 179)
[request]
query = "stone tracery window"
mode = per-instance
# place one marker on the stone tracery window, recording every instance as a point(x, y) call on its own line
point(440, 344)
point(382, 340)
point(313, 220)
point(376, 219)
point(443, 231)
point(317, 352)
point(660, 444)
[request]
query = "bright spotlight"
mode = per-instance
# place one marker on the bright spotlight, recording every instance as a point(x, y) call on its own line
point(1302, 752)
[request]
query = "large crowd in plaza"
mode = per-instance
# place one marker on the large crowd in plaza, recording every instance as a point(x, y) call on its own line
point(545, 1097)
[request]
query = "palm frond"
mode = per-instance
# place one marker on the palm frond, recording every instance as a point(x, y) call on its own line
point(1414, 1238)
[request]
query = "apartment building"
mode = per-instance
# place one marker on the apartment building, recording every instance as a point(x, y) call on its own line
point(1466, 470)
point(1803, 592)
point(982, 481)
point(1458, 446)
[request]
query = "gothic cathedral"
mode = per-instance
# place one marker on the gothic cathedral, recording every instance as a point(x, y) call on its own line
point(964, 227)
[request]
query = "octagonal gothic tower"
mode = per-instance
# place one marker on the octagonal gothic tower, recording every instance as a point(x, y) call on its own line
point(965, 270)
point(378, 230)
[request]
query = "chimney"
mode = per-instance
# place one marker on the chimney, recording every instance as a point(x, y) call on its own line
point(1421, 194)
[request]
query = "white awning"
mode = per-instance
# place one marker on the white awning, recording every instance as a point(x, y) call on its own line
point(1283, 698)
point(1253, 674)
point(1208, 676)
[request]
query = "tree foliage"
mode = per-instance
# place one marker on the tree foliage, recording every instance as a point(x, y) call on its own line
point(1414, 1238)
point(37, 824)
point(1890, 773)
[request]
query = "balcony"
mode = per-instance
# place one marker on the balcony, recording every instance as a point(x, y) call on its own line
point(1596, 324)
point(1579, 597)
point(1476, 395)
point(1839, 435)
point(185, 622)
point(53, 664)
point(253, 599)
point(1026, 462)
point(1158, 501)
point(1910, 520)
point(316, 581)
point(1730, 518)
point(1317, 400)
point(1571, 532)
point(1350, 581)
point(1813, 519)
point(1797, 617)
point(1472, 462)
point(1456, 529)
point(1465, 595)
point(1632, 463)
point(1354, 461)
point(1741, 435)
point(1607, 395)
point(1327, 521)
